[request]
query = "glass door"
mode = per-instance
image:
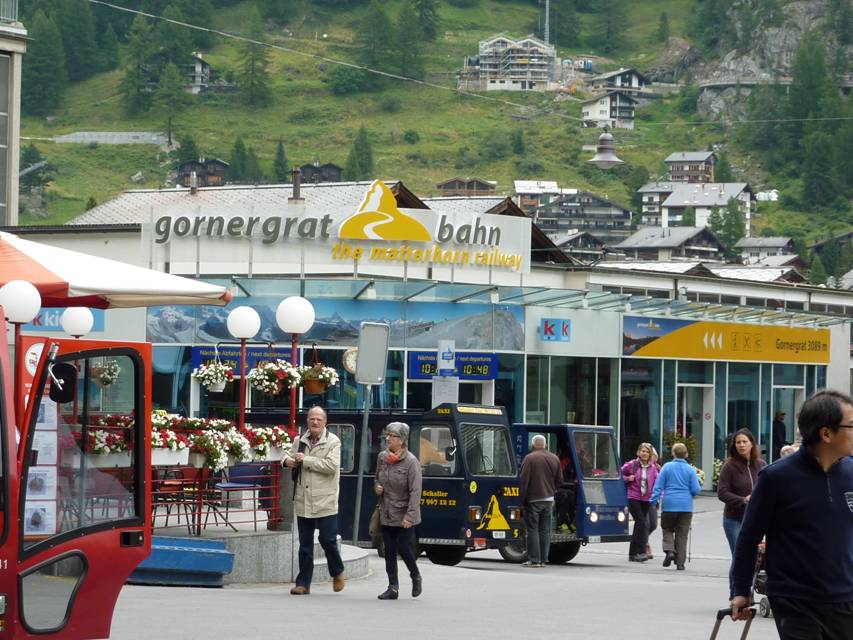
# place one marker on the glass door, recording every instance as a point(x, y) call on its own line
point(786, 405)
point(695, 425)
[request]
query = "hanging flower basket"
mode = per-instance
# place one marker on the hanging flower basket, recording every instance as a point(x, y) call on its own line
point(106, 373)
point(274, 376)
point(213, 376)
point(317, 377)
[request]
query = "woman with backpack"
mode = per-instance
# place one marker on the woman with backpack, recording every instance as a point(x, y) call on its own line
point(640, 475)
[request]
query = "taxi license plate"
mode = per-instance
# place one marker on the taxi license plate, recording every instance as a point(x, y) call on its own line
point(499, 535)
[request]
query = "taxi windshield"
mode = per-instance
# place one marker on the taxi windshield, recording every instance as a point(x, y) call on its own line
point(595, 455)
point(487, 450)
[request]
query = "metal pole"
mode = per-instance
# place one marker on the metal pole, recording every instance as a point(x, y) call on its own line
point(241, 418)
point(293, 344)
point(362, 462)
point(19, 380)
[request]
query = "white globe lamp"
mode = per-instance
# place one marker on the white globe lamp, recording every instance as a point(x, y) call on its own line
point(295, 315)
point(21, 301)
point(243, 323)
point(77, 321)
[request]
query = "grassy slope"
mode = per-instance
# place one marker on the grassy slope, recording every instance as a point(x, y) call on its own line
point(317, 125)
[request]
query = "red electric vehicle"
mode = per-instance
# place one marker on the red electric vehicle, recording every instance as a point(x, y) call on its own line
point(73, 526)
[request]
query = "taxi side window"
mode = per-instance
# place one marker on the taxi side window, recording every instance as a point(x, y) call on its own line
point(436, 450)
point(346, 434)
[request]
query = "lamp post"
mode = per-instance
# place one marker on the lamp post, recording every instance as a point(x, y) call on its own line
point(294, 315)
point(21, 302)
point(243, 323)
point(605, 152)
point(77, 321)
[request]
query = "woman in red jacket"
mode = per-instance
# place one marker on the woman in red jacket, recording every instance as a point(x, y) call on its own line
point(737, 479)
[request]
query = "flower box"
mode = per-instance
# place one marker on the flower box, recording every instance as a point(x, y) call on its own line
point(197, 460)
point(122, 459)
point(161, 457)
point(274, 454)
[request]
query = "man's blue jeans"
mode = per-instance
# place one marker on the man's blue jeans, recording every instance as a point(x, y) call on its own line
point(731, 527)
point(328, 536)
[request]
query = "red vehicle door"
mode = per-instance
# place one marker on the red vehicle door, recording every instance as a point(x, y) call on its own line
point(75, 491)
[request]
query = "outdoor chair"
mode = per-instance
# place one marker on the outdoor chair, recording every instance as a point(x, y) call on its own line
point(242, 477)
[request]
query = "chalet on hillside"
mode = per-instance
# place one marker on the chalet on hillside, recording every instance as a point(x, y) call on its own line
point(614, 109)
point(584, 211)
point(316, 173)
point(661, 244)
point(691, 166)
point(467, 187)
point(629, 80)
point(209, 172)
point(753, 249)
point(531, 194)
point(580, 244)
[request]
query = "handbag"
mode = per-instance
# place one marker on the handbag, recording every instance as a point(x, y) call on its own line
point(374, 528)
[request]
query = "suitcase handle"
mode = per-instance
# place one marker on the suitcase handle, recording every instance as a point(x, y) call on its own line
point(722, 613)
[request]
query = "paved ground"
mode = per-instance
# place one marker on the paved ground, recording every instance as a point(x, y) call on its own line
point(599, 595)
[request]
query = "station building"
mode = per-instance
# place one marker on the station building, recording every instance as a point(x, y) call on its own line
point(653, 349)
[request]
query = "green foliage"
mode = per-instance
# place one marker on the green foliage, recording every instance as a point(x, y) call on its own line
point(44, 76)
point(688, 97)
point(411, 137)
point(280, 169)
point(172, 42)
point(427, 11)
point(77, 27)
point(407, 44)
point(810, 81)
point(729, 227)
point(818, 184)
point(709, 26)
point(359, 165)
point(279, 11)
point(723, 169)
point(517, 142)
point(170, 96)
point(494, 149)
point(343, 80)
point(688, 218)
point(134, 85)
point(254, 79)
point(817, 272)
point(109, 49)
point(188, 150)
point(463, 3)
point(672, 437)
point(30, 155)
point(565, 26)
point(91, 203)
point(254, 173)
point(662, 34)
point(373, 33)
point(237, 161)
point(608, 27)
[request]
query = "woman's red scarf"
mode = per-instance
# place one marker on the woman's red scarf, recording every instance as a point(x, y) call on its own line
point(393, 458)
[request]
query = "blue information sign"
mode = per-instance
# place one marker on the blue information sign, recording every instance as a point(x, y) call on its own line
point(469, 366)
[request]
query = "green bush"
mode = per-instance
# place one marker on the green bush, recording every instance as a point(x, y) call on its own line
point(390, 104)
point(411, 136)
point(343, 80)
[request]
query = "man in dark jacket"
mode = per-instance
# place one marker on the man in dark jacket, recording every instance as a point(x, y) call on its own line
point(540, 478)
point(803, 504)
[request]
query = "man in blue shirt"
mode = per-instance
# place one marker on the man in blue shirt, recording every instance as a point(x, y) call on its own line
point(679, 483)
point(803, 504)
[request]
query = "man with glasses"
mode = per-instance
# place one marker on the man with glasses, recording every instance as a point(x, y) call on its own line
point(315, 458)
point(803, 504)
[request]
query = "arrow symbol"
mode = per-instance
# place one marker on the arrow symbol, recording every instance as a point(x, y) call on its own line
point(705, 340)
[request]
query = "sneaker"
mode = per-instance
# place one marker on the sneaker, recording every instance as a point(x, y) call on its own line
point(391, 593)
point(670, 556)
point(531, 565)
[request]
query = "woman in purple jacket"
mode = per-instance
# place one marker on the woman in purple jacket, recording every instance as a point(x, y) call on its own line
point(640, 475)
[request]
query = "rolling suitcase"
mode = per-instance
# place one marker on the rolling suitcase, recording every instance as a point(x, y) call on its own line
point(723, 613)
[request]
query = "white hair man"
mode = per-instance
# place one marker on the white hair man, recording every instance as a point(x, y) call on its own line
point(540, 477)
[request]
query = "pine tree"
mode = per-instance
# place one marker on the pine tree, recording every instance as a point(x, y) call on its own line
point(608, 31)
point(188, 149)
point(517, 142)
point(373, 35)
point(734, 227)
point(817, 171)
point(109, 50)
point(359, 165)
point(407, 43)
point(30, 156)
point(809, 80)
point(201, 12)
point(723, 169)
point(237, 161)
point(172, 42)
point(427, 11)
point(817, 272)
point(170, 96)
point(254, 173)
point(565, 26)
point(91, 203)
point(77, 26)
point(715, 220)
point(138, 70)
point(280, 169)
point(44, 76)
point(663, 28)
point(254, 80)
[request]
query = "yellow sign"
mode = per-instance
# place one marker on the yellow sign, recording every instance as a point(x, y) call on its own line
point(493, 520)
point(486, 411)
point(697, 340)
point(473, 486)
point(378, 218)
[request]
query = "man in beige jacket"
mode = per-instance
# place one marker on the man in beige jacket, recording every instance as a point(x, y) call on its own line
point(315, 458)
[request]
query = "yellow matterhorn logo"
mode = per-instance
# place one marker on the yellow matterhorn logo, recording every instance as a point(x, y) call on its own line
point(378, 218)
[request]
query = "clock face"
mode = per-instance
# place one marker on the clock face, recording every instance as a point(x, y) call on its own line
point(350, 359)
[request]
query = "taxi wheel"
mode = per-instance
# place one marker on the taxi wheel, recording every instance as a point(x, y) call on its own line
point(563, 552)
point(445, 555)
point(515, 552)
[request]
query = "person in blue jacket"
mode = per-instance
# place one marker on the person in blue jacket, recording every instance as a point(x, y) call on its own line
point(679, 483)
point(803, 505)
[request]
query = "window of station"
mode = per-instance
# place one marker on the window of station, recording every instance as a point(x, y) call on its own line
point(756, 302)
point(658, 293)
point(708, 297)
point(640, 404)
point(724, 299)
point(793, 304)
